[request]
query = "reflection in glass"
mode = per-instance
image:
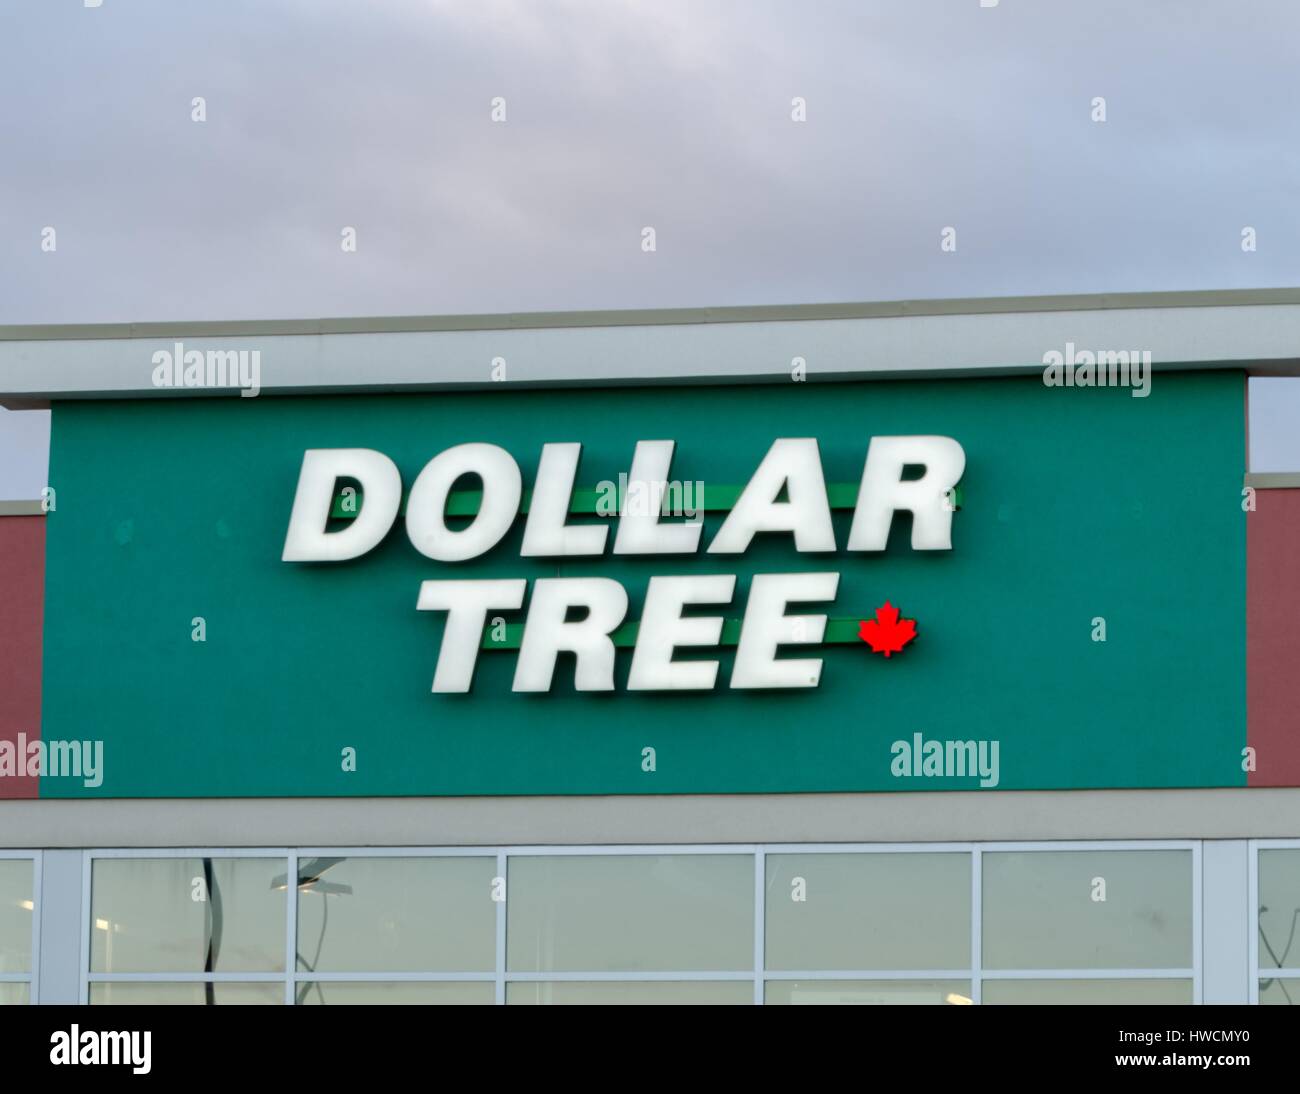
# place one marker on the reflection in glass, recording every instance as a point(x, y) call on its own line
point(1279, 909)
point(187, 915)
point(135, 993)
point(645, 993)
point(391, 914)
point(1087, 909)
point(16, 914)
point(867, 992)
point(1275, 992)
point(630, 913)
point(1088, 992)
point(868, 911)
point(401, 992)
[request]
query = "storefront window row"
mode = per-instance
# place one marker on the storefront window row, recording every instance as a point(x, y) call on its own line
point(917, 924)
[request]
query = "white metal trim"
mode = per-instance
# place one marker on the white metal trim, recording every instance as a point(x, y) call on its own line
point(1089, 974)
point(656, 976)
point(1252, 884)
point(977, 925)
point(398, 977)
point(760, 926)
point(185, 977)
point(992, 341)
point(291, 932)
point(1092, 845)
point(84, 943)
point(868, 974)
point(499, 975)
point(38, 903)
point(1198, 954)
point(189, 852)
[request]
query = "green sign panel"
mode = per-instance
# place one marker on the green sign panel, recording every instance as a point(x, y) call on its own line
point(1083, 626)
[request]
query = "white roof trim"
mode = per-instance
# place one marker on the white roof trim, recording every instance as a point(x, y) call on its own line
point(686, 347)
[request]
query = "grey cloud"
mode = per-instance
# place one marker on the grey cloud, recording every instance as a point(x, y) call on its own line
point(673, 114)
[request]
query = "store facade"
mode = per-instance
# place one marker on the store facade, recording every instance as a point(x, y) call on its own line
point(883, 653)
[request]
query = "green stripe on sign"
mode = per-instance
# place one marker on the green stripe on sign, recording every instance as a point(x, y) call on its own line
point(586, 499)
point(841, 631)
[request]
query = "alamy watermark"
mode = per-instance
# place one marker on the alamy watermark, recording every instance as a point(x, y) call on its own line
point(1105, 368)
point(118, 1048)
point(82, 760)
point(214, 368)
point(638, 498)
point(919, 758)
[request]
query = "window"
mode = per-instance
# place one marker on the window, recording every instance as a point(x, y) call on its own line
point(630, 913)
point(922, 924)
point(1275, 894)
point(855, 914)
point(372, 918)
point(200, 929)
point(1088, 926)
point(19, 883)
point(868, 911)
point(620, 917)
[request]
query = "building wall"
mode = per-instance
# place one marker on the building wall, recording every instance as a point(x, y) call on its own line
point(1219, 822)
point(1273, 636)
point(22, 603)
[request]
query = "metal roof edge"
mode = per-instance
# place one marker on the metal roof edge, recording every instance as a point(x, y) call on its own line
point(761, 313)
point(1273, 480)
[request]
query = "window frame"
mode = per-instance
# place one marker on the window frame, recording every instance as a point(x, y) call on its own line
point(1290, 972)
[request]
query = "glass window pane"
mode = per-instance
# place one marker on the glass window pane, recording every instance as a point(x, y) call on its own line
point(17, 995)
point(397, 914)
point(1279, 908)
point(176, 915)
point(375, 993)
point(646, 992)
point(1043, 909)
point(15, 915)
point(1084, 992)
point(866, 992)
point(626, 913)
point(1285, 992)
point(134, 993)
point(868, 911)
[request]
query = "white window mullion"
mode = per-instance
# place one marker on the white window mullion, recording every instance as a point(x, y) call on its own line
point(760, 925)
point(977, 926)
point(291, 931)
point(83, 943)
point(1252, 920)
point(499, 990)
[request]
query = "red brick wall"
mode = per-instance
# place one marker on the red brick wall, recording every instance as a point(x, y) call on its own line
point(22, 602)
point(1273, 637)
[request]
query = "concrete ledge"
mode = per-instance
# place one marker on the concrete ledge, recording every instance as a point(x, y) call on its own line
point(647, 819)
point(22, 509)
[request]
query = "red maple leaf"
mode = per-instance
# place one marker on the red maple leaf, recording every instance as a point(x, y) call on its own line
point(887, 633)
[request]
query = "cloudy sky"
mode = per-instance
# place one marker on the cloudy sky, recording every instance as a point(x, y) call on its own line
point(921, 114)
